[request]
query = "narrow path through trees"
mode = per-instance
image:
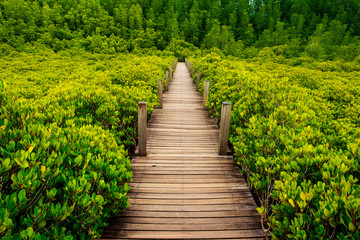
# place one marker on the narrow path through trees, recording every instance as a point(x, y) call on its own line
point(183, 189)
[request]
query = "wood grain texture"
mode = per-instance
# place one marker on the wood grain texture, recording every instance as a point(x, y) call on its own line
point(167, 80)
point(224, 128)
point(197, 81)
point(206, 92)
point(183, 189)
point(160, 92)
point(142, 126)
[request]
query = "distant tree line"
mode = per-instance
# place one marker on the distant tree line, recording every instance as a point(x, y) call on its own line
point(319, 27)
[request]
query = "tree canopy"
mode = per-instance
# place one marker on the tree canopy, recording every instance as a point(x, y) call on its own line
point(320, 26)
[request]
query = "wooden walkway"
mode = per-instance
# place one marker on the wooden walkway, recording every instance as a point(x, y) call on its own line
point(183, 189)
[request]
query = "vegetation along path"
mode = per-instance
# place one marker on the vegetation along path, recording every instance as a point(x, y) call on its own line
point(183, 189)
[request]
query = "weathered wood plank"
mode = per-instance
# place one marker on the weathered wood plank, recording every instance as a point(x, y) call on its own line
point(183, 227)
point(200, 221)
point(192, 201)
point(188, 234)
point(190, 190)
point(192, 208)
point(190, 195)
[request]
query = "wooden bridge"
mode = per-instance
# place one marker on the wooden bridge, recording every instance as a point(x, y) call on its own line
point(183, 189)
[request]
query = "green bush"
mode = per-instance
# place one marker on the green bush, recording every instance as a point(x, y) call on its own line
point(300, 157)
point(57, 182)
point(181, 49)
point(113, 108)
point(66, 132)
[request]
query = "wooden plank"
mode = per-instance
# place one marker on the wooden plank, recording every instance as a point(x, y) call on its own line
point(190, 195)
point(189, 158)
point(188, 234)
point(223, 220)
point(139, 180)
point(192, 201)
point(199, 185)
point(183, 227)
point(164, 177)
point(192, 208)
point(190, 167)
point(188, 172)
point(190, 190)
point(182, 214)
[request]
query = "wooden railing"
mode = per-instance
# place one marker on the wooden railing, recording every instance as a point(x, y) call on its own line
point(142, 109)
point(225, 110)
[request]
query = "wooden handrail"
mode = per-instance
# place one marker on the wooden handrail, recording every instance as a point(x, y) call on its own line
point(142, 111)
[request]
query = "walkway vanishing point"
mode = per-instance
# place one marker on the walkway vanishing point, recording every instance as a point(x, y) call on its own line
point(183, 189)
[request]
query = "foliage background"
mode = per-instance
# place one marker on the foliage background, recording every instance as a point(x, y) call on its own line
point(322, 29)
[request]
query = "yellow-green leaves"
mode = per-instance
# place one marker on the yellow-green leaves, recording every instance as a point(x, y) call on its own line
point(292, 203)
point(296, 137)
point(261, 210)
point(66, 127)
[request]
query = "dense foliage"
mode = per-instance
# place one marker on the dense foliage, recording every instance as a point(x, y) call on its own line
point(67, 123)
point(296, 136)
point(323, 29)
point(68, 106)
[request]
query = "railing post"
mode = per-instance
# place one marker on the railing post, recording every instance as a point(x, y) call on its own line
point(160, 92)
point(170, 72)
point(142, 125)
point(194, 71)
point(224, 128)
point(206, 92)
point(167, 80)
point(197, 81)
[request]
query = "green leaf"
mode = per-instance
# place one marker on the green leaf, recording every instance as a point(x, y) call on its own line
point(292, 202)
point(29, 231)
point(302, 196)
point(22, 195)
point(12, 146)
point(351, 227)
point(261, 210)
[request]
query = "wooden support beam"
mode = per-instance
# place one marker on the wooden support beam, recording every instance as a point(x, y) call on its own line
point(170, 72)
point(167, 80)
point(224, 128)
point(160, 92)
point(142, 125)
point(197, 81)
point(206, 92)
